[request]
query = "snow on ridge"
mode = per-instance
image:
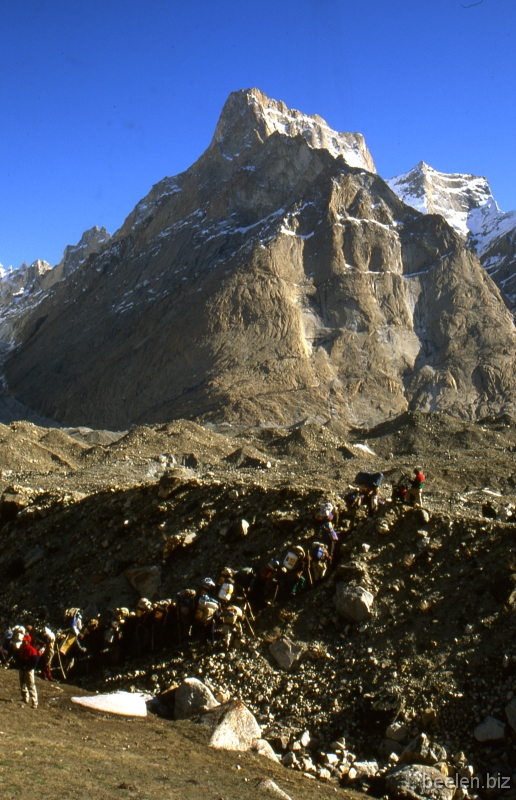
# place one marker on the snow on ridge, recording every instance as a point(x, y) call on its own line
point(314, 129)
point(464, 200)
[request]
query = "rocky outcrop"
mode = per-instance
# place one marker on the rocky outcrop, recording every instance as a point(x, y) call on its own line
point(278, 278)
point(92, 241)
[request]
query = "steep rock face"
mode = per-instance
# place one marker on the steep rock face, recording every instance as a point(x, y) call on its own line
point(269, 282)
point(466, 202)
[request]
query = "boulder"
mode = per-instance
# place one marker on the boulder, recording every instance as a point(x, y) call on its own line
point(192, 697)
point(286, 652)
point(397, 731)
point(365, 769)
point(146, 580)
point(490, 730)
point(233, 727)
point(263, 748)
point(419, 782)
point(248, 458)
point(126, 704)
point(421, 750)
point(269, 787)
point(171, 480)
point(353, 602)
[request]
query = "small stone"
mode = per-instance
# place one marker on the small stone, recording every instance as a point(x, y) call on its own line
point(365, 769)
point(353, 602)
point(490, 730)
point(263, 748)
point(428, 716)
point(397, 731)
point(286, 652)
point(270, 787)
point(305, 739)
point(289, 759)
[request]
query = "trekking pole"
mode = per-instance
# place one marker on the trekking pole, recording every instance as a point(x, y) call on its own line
point(309, 572)
point(250, 626)
point(61, 663)
point(248, 605)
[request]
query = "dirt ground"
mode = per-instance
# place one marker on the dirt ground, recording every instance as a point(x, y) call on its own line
point(62, 751)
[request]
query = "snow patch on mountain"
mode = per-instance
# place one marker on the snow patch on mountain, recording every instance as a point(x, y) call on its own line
point(466, 202)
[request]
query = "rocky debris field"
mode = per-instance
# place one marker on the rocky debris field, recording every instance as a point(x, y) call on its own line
point(402, 660)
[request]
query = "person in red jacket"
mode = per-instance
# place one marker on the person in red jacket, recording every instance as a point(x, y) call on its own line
point(416, 484)
point(28, 658)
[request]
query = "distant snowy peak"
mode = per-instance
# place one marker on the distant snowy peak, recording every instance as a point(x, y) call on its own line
point(455, 196)
point(249, 117)
point(466, 202)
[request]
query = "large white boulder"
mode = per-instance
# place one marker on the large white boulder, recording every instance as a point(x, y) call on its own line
point(233, 727)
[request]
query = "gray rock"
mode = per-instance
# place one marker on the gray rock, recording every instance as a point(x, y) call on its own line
point(192, 697)
point(289, 759)
point(146, 580)
point(269, 787)
point(389, 746)
point(397, 731)
point(263, 748)
point(233, 727)
point(365, 769)
point(305, 739)
point(353, 602)
point(286, 652)
point(419, 782)
point(490, 730)
point(421, 750)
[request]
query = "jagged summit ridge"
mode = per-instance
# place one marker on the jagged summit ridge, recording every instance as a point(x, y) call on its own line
point(249, 117)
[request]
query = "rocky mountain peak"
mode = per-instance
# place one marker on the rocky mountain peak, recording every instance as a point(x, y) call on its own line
point(451, 195)
point(271, 281)
point(92, 241)
point(467, 204)
point(249, 117)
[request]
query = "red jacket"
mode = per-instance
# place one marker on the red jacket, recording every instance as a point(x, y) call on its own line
point(418, 481)
point(27, 654)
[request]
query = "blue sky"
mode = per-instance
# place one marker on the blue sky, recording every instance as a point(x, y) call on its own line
point(100, 100)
